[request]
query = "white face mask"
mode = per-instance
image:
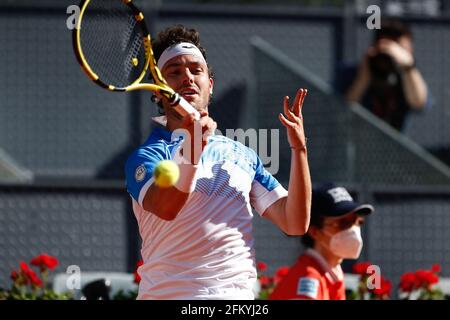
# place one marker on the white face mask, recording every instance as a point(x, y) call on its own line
point(347, 243)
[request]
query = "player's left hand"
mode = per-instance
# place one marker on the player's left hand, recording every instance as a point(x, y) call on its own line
point(293, 120)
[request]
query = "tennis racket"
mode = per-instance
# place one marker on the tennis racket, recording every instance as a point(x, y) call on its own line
point(113, 46)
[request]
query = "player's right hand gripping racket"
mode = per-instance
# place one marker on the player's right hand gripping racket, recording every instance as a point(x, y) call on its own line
point(113, 46)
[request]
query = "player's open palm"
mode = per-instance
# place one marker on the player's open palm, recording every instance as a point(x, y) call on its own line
point(293, 120)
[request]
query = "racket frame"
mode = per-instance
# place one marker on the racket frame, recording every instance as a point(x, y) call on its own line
point(160, 84)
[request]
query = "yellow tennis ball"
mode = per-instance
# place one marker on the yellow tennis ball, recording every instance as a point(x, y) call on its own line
point(166, 173)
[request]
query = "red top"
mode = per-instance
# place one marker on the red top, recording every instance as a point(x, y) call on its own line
point(311, 277)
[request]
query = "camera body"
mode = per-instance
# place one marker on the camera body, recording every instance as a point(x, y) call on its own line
point(382, 65)
point(384, 70)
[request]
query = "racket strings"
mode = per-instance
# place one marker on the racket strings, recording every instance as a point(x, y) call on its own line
point(112, 42)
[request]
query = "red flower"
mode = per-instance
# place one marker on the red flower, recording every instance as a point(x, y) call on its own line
point(361, 268)
point(14, 275)
point(44, 261)
point(265, 281)
point(385, 288)
point(25, 270)
point(280, 274)
point(24, 267)
point(34, 279)
point(282, 271)
point(425, 278)
point(408, 282)
point(411, 281)
point(137, 277)
point(436, 268)
point(29, 275)
point(261, 266)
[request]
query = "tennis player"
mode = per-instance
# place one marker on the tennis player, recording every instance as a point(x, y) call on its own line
point(197, 238)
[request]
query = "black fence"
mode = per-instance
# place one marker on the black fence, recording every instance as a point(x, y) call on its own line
point(55, 122)
point(90, 225)
point(93, 227)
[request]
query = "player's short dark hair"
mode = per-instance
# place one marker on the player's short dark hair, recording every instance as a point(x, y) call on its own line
point(173, 35)
point(176, 34)
point(316, 221)
point(392, 29)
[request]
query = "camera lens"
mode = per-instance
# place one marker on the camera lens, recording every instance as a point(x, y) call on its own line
point(382, 66)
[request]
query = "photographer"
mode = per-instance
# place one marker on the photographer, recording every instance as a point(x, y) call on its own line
point(387, 81)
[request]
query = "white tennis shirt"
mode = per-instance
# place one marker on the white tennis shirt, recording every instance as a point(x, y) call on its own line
point(207, 251)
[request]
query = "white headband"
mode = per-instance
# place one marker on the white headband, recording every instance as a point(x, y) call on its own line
point(178, 50)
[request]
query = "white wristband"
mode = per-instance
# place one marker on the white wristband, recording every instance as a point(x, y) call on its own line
point(187, 181)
